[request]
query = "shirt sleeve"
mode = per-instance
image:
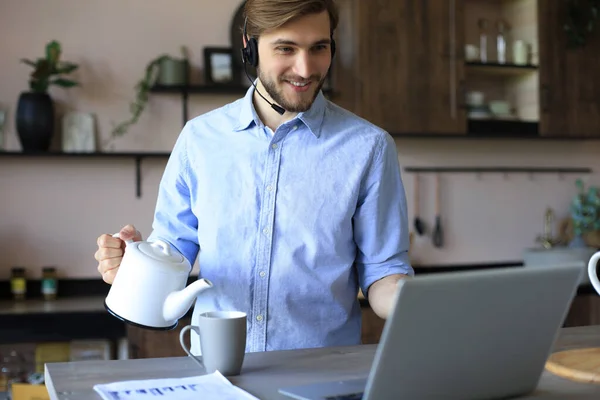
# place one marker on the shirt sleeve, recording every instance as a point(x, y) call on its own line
point(174, 220)
point(380, 220)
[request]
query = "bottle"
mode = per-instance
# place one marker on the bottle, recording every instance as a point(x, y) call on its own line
point(501, 43)
point(49, 283)
point(483, 40)
point(18, 283)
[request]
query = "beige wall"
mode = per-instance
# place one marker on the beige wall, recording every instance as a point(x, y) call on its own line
point(52, 210)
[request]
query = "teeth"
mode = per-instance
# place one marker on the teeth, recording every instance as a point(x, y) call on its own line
point(299, 84)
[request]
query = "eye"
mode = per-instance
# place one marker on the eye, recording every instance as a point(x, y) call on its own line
point(320, 47)
point(285, 49)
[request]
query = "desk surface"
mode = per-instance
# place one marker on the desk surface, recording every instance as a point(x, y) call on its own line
point(264, 373)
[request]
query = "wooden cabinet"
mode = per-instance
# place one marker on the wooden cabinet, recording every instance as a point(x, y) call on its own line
point(402, 65)
point(569, 77)
point(584, 311)
point(146, 343)
point(372, 326)
point(399, 64)
point(502, 80)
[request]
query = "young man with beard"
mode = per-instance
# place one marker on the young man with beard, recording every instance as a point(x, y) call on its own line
point(289, 212)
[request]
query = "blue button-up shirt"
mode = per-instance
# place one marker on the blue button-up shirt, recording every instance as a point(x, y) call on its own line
point(289, 224)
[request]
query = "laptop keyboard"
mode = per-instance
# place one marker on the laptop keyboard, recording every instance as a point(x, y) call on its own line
point(350, 396)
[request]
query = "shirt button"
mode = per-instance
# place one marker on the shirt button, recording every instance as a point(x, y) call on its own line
point(259, 317)
point(295, 127)
point(274, 145)
point(262, 274)
point(266, 230)
point(269, 188)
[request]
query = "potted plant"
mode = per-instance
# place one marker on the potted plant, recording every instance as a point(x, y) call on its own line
point(585, 213)
point(35, 109)
point(163, 69)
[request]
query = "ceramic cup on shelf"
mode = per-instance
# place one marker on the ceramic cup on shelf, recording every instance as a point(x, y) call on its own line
point(521, 52)
point(592, 271)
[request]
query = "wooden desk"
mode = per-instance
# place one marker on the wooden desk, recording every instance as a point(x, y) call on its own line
point(264, 373)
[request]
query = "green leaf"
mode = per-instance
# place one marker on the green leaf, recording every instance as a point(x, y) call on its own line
point(53, 52)
point(42, 70)
point(28, 62)
point(66, 68)
point(66, 83)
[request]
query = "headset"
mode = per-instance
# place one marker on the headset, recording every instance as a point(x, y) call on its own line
point(250, 56)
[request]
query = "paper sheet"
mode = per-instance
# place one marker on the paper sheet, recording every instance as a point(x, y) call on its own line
point(206, 387)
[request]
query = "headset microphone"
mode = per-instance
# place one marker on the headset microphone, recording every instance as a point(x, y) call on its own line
point(280, 110)
point(250, 55)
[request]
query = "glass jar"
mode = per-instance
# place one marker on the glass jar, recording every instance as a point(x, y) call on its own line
point(18, 283)
point(49, 283)
point(12, 370)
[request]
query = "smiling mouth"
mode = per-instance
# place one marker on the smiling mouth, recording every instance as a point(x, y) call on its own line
point(299, 84)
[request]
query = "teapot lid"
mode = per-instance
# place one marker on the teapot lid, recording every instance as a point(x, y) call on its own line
point(160, 251)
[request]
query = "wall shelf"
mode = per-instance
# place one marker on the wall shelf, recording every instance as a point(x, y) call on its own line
point(501, 170)
point(137, 156)
point(200, 89)
point(478, 129)
point(499, 69)
point(499, 127)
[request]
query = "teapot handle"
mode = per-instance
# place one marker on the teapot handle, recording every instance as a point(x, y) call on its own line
point(128, 241)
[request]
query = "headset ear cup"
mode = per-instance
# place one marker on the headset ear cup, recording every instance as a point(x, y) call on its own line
point(252, 52)
point(332, 48)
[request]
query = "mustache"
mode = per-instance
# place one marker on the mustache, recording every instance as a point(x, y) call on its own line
point(315, 78)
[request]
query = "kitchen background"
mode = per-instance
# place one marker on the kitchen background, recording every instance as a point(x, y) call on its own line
point(52, 209)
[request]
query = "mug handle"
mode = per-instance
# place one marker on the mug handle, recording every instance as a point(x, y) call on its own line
point(182, 343)
point(592, 271)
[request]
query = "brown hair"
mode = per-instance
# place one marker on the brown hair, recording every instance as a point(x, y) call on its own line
point(264, 15)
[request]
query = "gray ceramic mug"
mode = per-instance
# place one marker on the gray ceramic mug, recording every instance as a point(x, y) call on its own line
point(222, 336)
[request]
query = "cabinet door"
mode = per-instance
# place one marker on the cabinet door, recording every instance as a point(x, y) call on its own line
point(146, 343)
point(400, 64)
point(569, 85)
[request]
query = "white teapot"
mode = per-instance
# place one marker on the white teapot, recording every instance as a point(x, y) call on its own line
point(149, 290)
point(592, 271)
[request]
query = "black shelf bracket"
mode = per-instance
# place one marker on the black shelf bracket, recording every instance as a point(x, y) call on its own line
point(138, 177)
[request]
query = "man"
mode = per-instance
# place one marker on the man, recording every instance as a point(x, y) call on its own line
point(291, 211)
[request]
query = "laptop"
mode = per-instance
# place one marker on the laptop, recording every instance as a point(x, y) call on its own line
point(479, 334)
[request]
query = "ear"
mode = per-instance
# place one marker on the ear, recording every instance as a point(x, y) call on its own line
point(244, 41)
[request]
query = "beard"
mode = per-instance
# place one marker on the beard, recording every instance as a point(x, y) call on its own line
point(277, 94)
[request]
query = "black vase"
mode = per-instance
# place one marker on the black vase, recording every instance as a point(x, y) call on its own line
point(35, 121)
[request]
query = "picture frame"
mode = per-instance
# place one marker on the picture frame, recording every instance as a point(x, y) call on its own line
point(219, 66)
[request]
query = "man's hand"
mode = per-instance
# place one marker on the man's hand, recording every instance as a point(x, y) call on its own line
point(381, 294)
point(111, 249)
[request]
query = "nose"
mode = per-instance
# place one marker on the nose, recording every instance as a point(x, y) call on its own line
point(304, 65)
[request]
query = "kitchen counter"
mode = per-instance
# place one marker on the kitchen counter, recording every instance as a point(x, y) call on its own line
point(77, 304)
point(63, 319)
point(263, 373)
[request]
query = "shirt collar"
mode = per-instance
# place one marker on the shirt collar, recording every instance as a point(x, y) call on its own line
point(312, 118)
point(247, 112)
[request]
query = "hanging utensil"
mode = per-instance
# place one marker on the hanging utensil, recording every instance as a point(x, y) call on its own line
point(438, 235)
point(419, 223)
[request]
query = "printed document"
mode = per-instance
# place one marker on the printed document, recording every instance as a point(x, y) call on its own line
point(207, 387)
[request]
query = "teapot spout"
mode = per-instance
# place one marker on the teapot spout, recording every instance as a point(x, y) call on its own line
point(179, 302)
